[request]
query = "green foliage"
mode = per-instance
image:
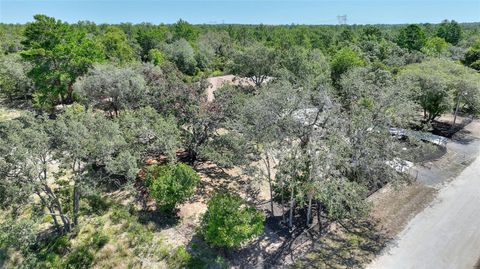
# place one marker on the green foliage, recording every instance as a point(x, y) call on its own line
point(229, 222)
point(344, 60)
point(343, 199)
point(171, 184)
point(156, 57)
point(184, 30)
point(256, 62)
point(112, 88)
point(436, 84)
point(116, 46)
point(472, 57)
point(180, 259)
point(411, 37)
point(96, 204)
point(80, 258)
point(13, 77)
point(59, 54)
point(182, 55)
point(450, 31)
point(435, 46)
point(98, 240)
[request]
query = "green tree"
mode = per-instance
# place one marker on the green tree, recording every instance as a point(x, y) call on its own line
point(149, 37)
point(147, 133)
point(307, 68)
point(182, 55)
point(156, 57)
point(344, 60)
point(59, 54)
point(256, 62)
point(14, 81)
point(472, 57)
point(27, 152)
point(85, 141)
point(435, 47)
point(411, 37)
point(343, 199)
point(112, 88)
point(171, 184)
point(439, 86)
point(116, 46)
point(229, 222)
point(184, 30)
point(451, 31)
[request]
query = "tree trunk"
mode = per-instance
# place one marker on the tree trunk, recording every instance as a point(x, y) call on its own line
point(269, 174)
point(309, 210)
point(52, 212)
point(319, 217)
point(76, 203)
point(65, 221)
point(456, 113)
point(283, 202)
point(292, 204)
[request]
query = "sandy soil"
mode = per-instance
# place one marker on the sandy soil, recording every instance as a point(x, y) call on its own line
point(217, 82)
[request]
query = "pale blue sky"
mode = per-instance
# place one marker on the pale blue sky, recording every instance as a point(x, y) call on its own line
point(244, 11)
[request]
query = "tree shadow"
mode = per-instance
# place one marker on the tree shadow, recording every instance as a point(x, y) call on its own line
point(347, 245)
point(161, 220)
point(216, 179)
point(448, 130)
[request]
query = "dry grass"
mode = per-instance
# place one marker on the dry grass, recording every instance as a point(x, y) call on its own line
point(394, 207)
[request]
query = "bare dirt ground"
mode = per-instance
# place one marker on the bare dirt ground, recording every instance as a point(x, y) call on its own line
point(394, 207)
point(217, 82)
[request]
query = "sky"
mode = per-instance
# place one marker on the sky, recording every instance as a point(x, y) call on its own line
point(244, 11)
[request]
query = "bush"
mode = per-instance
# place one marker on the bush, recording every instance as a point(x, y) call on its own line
point(171, 184)
point(96, 204)
point(99, 240)
point(81, 257)
point(228, 222)
point(180, 258)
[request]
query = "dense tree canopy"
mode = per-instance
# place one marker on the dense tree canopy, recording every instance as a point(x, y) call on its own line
point(121, 116)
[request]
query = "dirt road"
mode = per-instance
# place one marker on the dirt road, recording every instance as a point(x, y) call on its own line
point(444, 235)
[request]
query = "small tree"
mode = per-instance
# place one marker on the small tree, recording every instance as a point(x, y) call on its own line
point(112, 88)
point(171, 184)
point(228, 222)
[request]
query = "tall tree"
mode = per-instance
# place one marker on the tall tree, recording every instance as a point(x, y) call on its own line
point(411, 37)
point(256, 62)
point(27, 153)
point(59, 54)
point(116, 46)
point(451, 31)
point(85, 141)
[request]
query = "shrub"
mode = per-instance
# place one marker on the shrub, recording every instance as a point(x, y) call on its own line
point(179, 259)
point(81, 257)
point(96, 204)
point(171, 184)
point(99, 240)
point(229, 222)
